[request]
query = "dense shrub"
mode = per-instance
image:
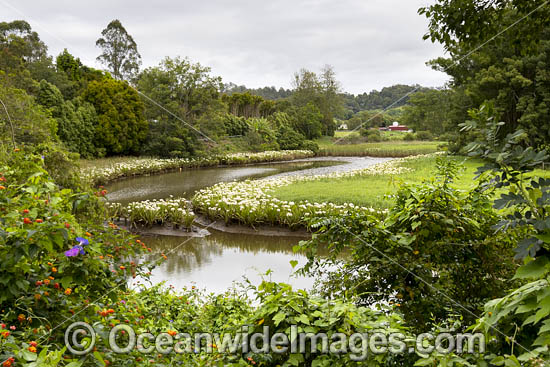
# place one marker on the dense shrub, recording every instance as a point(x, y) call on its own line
point(443, 240)
point(311, 145)
point(235, 125)
point(75, 121)
point(424, 135)
point(121, 127)
point(289, 139)
point(409, 137)
point(38, 227)
point(372, 135)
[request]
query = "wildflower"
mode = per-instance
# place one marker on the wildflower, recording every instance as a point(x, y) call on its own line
point(68, 291)
point(67, 225)
point(25, 211)
point(33, 344)
point(2, 187)
point(39, 220)
point(46, 281)
point(77, 249)
point(12, 328)
point(8, 362)
point(21, 318)
point(32, 349)
point(37, 296)
point(27, 221)
point(5, 334)
point(54, 269)
point(56, 285)
point(83, 241)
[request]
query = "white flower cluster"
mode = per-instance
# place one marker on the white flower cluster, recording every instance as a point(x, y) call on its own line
point(149, 212)
point(141, 166)
point(249, 202)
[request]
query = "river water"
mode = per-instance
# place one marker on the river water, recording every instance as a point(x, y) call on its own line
point(215, 262)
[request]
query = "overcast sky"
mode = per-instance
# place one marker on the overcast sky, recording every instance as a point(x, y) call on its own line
point(370, 43)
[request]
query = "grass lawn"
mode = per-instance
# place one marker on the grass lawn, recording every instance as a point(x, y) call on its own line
point(371, 190)
point(391, 148)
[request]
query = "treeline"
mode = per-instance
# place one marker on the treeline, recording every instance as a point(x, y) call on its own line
point(175, 109)
point(265, 92)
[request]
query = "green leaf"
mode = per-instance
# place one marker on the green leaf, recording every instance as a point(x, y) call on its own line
point(278, 318)
point(534, 269)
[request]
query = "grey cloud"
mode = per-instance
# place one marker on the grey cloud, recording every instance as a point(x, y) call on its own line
point(371, 43)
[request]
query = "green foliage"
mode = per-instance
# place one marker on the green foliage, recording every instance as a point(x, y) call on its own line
point(20, 48)
point(234, 125)
point(27, 122)
point(119, 51)
point(424, 135)
point(246, 105)
point(428, 110)
point(433, 255)
point(75, 123)
point(321, 91)
point(290, 139)
point(38, 225)
point(524, 311)
point(509, 71)
point(409, 137)
point(378, 100)
point(372, 135)
point(121, 127)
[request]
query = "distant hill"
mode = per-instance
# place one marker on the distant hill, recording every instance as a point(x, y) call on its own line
point(377, 100)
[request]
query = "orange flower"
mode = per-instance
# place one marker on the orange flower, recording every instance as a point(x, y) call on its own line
point(2, 187)
point(27, 221)
point(33, 344)
point(47, 281)
point(21, 318)
point(8, 362)
point(54, 270)
point(39, 220)
point(37, 296)
point(5, 334)
point(32, 349)
point(88, 234)
point(122, 267)
point(68, 291)
point(17, 150)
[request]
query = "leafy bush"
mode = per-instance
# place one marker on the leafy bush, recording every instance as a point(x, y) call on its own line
point(47, 258)
point(75, 122)
point(122, 127)
point(443, 240)
point(409, 137)
point(234, 125)
point(310, 145)
point(424, 135)
point(289, 139)
point(372, 135)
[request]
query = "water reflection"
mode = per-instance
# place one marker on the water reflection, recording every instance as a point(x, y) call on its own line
point(216, 261)
point(186, 182)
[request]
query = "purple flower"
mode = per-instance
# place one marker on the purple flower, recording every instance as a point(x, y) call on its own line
point(77, 249)
point(82, 241)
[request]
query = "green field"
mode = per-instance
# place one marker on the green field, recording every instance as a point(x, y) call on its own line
point(371, 190)
point(390, 148)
